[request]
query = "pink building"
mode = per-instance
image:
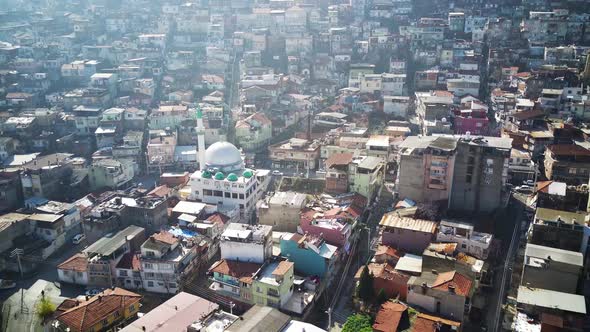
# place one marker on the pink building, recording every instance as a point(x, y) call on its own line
point(335, 230)
point(472, 118)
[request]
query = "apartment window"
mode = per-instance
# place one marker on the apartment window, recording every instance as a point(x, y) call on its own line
point(123, 273)
point(148, 265)
point(132, 307)
point(105, 322)
point(572, 171)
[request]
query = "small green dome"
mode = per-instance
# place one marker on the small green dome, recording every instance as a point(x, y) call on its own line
point(206, 174)
point(232, 177)
point(248, 174)
point(219, 176)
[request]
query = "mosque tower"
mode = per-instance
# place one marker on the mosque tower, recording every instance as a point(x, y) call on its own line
point(200, 139)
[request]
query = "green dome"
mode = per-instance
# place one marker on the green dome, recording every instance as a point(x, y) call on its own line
point(206, 174)
point(219, 176)
point(248, 174)
point(232, 177)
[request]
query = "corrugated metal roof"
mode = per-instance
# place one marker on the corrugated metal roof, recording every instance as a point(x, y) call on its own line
point(419, 225)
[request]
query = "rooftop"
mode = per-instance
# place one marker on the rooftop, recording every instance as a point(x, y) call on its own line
point(535, 252)
point(392, 220)
point(173, 315)
point(551, 299)
point(107, 245)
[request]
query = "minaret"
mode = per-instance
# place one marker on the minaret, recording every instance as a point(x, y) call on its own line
point(201, 139)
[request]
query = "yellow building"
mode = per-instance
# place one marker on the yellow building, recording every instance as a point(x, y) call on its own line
point(106, 311)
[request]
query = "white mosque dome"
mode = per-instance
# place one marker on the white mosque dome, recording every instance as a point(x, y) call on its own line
point(224, 156)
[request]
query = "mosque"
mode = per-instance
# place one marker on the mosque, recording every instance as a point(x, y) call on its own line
point(223, 180)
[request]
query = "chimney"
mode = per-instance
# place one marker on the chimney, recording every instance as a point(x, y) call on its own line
point(100, 298)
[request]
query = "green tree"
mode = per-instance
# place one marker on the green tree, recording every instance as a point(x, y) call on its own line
point(45, 308)
point(366, 291)
point(381, 297)
point(358, 323)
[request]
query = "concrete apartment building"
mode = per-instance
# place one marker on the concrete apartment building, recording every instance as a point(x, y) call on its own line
point(426, 165)
point(468, 240)
point(281, 211)
point(550, 268)
point(481, 169)
point(568, 163)
point(246, 243)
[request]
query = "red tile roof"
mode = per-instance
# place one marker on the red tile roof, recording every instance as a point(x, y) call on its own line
point(165, 237)
point(78, 263)
point(282, 268)
point(218, 218)
point(240, 270)
point(89, 313)
point(389, 317)
point(130, 261)
point(389, 251)
point(543, 186)
point(160, 191)
point(447, 280)
point(339, 159)
point(428, 323)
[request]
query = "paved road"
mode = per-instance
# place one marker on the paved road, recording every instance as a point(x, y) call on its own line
point(504, 269)
point(343, 307)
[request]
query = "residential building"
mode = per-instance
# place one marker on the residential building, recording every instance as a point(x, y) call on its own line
point(568, 163)
point(110, 309)
point(179, 313)
point(408, 234)
point(104, 255)
point(385, 277)
point(311, 255)
point(273, 284)
point(160, 152)
point(363, 174)
point(234, 278)
point(110, 173)
point(560, 229)
point(396, 105)
point(281, 210)
point(426, 168)
point(254, 132)
point(128, 271)
point(468, 241)
point(544, 265)
point(296, 153)
point(447, 294)
point(481, 171)
point(169, 258)
point(246, 243)
point(391, 316)
point(521, 167)
point(74, 270)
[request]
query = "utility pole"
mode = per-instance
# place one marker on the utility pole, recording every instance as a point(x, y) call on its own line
point(231, 307)
point(329, 312)
point(18, 252)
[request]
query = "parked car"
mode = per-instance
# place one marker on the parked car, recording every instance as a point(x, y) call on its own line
point(277, 173)
point(7, 284)
point(524, 189)
point(78, 238)
point(529, 183)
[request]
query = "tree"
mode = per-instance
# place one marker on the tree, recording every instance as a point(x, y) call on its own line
point(358, 323)
point(45, 308)
point(381, 297)
point(366, 291)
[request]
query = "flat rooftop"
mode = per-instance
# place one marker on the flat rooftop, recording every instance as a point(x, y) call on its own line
point(107, 245)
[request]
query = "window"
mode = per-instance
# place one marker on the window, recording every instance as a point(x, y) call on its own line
point(132, 307)
point(234, 195)
point(468, 178)
point(123, 273)
point(227, 194)
point(148, 265)
point(241, 196)
point(464, 246)
point(105, 322)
